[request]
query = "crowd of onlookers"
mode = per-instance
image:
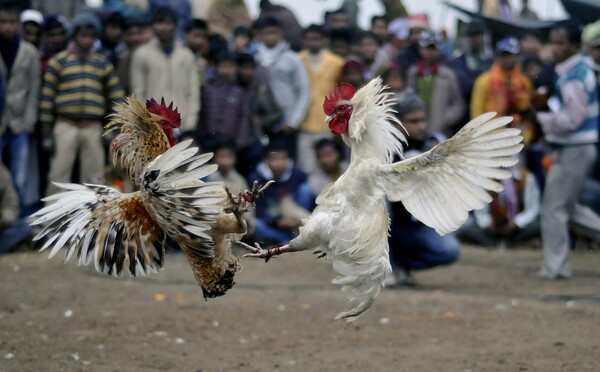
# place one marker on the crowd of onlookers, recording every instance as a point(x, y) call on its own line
point(252, 92)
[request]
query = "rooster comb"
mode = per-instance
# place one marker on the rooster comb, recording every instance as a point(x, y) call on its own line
point(343, 91)
point(167, 112)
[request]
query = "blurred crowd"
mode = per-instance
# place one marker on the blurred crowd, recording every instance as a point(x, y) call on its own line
point(251, 91)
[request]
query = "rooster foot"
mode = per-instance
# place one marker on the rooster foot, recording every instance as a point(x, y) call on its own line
point(252, 196)
point(238, 204)
point(258, 252)
point(319, 253)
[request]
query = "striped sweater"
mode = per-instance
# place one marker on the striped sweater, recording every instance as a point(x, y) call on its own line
point(78, 88)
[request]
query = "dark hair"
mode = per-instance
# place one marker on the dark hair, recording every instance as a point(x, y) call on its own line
point(196, 24)
point(572, 28)
point(394, 69)
point(344, 34)
point(267, 21)
point(532, 59)
point(338, 11)
point(164, 14)
point(245, 59)
point(328, 142)
point(218, 45)
point(224, 144)
point(113, 19)
point(225, 56)
point(10, 6)
point(368, 35)
point(242, 30)
point(314, 28)
point(133, 21)
point(54, 21)
point(376, 18)
point(277, 146)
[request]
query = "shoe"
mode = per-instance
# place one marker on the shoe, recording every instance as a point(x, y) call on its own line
point(400, 278)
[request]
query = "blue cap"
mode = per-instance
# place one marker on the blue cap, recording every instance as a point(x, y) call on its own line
point(86, 19)
point(508, 45)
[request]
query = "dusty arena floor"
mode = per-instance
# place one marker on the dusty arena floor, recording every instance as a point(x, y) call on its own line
point(489, 312)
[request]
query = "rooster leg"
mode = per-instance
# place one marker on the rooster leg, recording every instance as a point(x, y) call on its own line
point(258, 252)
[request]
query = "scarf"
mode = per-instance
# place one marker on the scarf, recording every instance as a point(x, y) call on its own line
point(506, 90)
point(268, 56)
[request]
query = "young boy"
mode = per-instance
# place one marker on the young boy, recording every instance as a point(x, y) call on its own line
point(79, 87)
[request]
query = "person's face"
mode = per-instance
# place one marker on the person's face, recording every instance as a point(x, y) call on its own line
point(328, 158)
point(354, 76)
point(340, 48)
point(414, 35)
point(9, 24)
point(246, 72)
point(395, 82)
point(196, 39)
point(56, 39)
point(562, 48)
point(430, 54)
point(164, 30)
point(314, 42)
point(507, 61)
point(532, 70)
point(476, 41)
point(530, 44)
point(380, 29)
point(32, 32)
point(368, 48)
point(339, 20)
point(226, 70)
point(416, 124)
point(270, 36)
point(225, 159)
point(113, 33)
point(241, 42)
point(85, 37)
point(134, 37)
point(278, 162)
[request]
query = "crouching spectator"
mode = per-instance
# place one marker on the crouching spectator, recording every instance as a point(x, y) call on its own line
point(511, 218)
point(13, 230)
point(330, 165)
point(281, 208)
point(413, 245)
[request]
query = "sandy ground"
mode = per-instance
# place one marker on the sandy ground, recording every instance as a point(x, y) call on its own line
point(489, 312)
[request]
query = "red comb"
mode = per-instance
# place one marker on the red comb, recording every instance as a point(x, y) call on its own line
point(167, 112)
point(343, 91)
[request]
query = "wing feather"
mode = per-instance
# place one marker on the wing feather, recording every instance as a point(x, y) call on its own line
point(441, 186)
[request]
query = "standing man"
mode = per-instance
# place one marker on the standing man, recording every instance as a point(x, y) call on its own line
point(287, 78)
point(571, 127)
point(20, 73)
point(80, 86)
point(165, 68)
point(324, 70)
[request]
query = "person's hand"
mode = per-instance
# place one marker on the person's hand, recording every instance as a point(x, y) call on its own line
point(287, 223)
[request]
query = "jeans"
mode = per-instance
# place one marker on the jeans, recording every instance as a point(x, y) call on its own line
point(416, 246)
point(18, 150)
point(14, 234)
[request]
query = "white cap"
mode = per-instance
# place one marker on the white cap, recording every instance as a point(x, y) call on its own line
point(31, 15)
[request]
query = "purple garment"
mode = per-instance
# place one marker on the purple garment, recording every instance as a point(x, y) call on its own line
point(224, 113)
point(510, 198)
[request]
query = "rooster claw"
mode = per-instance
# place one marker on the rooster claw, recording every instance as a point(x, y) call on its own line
point(257, 251)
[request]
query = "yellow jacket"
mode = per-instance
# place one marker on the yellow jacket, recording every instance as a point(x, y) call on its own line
point(321, 83)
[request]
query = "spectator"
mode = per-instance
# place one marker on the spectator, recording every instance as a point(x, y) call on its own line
point(31, 27)
point(379, 27)
point(395, 79)
point(571, 127)
point(132, 39)
point(324, 71)
point(196, 38)
point(226, 159)
point(438, 86)
point(13, 230)
point(224, 114)
point(330, 165)
point(242, 40)
point(530, 44)
point(511, 218)
point(473, 58)
point(352, 73)
point(79, 86)
point(338, 19)
point(340, 43)
point(413, 245)
point(111, 42)
point(504, 89)
point(283, 205)
point(165, 68)
point(387, 49)
point(370, 55)
point(287, 78)
point(55, 37)
point(417, 25)
point(181, 9)
point(20, 73)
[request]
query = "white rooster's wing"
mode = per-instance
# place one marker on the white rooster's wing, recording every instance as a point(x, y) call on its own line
point(441, 186)
point(101, 223)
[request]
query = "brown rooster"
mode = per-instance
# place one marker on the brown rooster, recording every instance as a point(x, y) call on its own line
point(129, 230)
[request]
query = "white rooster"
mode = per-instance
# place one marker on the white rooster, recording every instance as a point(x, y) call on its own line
point(439, 187)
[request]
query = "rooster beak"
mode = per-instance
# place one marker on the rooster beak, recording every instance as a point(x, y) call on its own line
point(328, 118)
point(176, 131)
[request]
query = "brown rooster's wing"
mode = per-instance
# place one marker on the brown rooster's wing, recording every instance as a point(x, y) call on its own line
point(139, 139)
point(101, 223)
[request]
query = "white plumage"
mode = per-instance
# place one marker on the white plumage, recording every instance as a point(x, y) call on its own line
point(350, 223)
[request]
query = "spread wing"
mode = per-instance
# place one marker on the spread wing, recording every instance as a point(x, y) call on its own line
point(441, 186)
point(138, 138)
point(101, 224)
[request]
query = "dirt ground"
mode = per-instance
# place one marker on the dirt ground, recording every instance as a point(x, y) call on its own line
point(488, 312)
